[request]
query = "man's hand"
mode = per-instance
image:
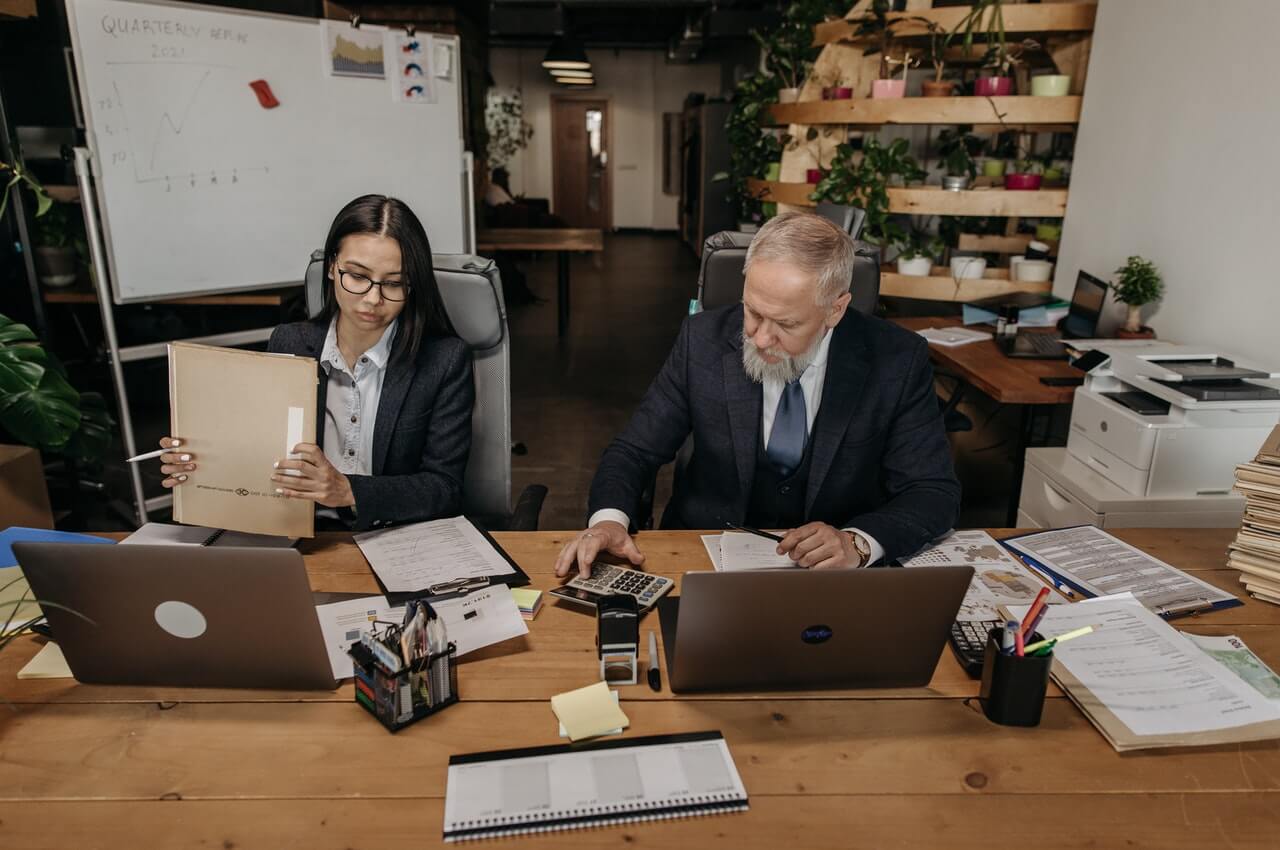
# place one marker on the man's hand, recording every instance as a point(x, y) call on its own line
point(819, 546)
point(604, 536)
point(312, 477)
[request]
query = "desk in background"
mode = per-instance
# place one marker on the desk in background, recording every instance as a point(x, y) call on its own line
point(127, 767)
point(562, 240)
point(1007, 380)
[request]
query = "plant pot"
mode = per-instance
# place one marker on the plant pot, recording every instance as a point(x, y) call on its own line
point(1022, 181)
point(788, 95)
point(813, 175)
point(773, 171)
point(968, 268)
point(882, 89)
point(992, 86)
point(1031, 271)
point(993, 167)
point(1049, 232)
point(1037, 250)
point(55, 266)
point(1050, 85)
point(916, 266)
point(955, 182)
point(1145, 333)
point(933, 88)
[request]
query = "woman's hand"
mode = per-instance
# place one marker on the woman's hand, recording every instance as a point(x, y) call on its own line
point(175, 465)
point(312, 477)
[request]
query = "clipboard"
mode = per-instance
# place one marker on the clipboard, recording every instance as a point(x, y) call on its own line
point(1072, 586)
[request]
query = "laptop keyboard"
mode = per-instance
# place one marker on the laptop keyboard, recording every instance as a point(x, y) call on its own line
point(1043, 343)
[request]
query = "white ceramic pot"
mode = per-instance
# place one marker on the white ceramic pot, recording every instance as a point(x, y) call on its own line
point(955, 182)
point(968, 268)
point(916, 266)
point(747, 227)
point(1032, 271)
point(788, 95)
point(1050, 85)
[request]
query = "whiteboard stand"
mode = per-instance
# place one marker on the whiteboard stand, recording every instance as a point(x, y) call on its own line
point(116, 356)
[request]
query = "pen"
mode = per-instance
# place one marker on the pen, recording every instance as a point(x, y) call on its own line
point(1035, 624)
point(754, 531)
point(1007, 642)
point(1033, 611)
point(655, 678)
point(1017, 643)
point(1052, 642)
point(148, 455)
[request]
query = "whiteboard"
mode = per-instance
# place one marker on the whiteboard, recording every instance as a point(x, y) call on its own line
point(202, 189)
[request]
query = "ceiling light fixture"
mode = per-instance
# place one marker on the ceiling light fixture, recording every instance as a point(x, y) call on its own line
point(566, 53)
point(559, 73)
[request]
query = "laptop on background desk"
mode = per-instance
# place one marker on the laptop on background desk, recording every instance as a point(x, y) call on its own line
point(777, 629)
point(1081, 322)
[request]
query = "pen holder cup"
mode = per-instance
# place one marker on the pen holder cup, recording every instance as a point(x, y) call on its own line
point(1013, 687)
point(399, 698)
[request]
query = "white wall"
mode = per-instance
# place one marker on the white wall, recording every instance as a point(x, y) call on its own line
point(1176, 160)
point(640, 87)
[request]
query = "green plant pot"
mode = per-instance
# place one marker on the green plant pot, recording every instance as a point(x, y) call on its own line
point(993, 167)
point(1049, 232)
point(772, 171)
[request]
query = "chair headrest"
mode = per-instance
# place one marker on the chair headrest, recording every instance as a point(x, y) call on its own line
point(469, 286)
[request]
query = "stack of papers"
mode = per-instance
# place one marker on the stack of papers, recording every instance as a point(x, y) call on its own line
point(735, 551)
point(951, 337)
point(1145, 685)
point(998, 577)
point(588, 712)
point(1256, 549)
point(528, 600)
point(424, 555)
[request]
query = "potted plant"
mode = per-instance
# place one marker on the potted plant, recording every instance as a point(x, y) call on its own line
point(939, 41)
point(955, 154)
point(890, 88)
point(1000, 60)
point(504, 121)
point(875, 26)
point(60, 247)
point(917, 252)
point(751, 147)
point(1001, 148)
point(863, 178)
point(788, 48)
point(1137, 282)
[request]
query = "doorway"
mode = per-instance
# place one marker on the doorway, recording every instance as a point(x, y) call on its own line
point(580, 130)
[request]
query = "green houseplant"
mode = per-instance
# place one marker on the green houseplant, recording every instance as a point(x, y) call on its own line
point(60, 245)
point(1137, 282)
point(752, 149)
point(504, 121)
point(956, 150)
point(862, 178)
point(788, 50)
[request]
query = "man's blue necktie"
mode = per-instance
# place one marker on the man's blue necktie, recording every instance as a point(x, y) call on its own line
point(790, 430)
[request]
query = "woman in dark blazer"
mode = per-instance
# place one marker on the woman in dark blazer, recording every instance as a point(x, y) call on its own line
point(396, 391)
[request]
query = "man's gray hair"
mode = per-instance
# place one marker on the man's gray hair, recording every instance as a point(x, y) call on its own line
point(811, 243)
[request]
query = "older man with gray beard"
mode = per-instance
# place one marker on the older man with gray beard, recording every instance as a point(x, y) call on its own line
point(806, 416)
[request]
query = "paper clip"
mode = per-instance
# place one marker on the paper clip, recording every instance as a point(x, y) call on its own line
point(458, 585)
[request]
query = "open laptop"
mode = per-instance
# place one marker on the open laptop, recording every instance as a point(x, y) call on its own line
point(776, 629)
point(180, 615)
point(1081, 322)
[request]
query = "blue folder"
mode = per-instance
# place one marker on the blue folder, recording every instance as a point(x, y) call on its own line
point(18, 534)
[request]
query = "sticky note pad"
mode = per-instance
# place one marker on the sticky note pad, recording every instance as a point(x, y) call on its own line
point(588, 712)
point(48, 663)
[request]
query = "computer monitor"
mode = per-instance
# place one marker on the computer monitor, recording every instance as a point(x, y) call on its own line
point(1086, 307)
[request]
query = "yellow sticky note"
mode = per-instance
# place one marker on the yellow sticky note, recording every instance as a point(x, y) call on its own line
point(48, 663)
point(588, 712)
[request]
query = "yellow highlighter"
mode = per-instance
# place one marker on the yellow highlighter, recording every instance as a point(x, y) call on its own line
point(1052, 642)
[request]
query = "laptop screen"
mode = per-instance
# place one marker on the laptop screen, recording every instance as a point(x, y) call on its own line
point(1086, 307)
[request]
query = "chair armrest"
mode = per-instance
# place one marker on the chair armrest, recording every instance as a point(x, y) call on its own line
point(528, 507)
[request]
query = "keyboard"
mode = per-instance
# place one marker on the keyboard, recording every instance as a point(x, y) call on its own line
point(969, 643)
point(608, 579)
point(1042, 343)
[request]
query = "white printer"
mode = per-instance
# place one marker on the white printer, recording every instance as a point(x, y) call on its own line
point(1172, 421)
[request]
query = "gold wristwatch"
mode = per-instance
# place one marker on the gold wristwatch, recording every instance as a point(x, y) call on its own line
point(861, 546)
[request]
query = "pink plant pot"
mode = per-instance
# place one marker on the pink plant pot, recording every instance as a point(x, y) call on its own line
point(992, 86)
point(1022, 181)
point(813, 175)
point(881, 89)
point(837, 93)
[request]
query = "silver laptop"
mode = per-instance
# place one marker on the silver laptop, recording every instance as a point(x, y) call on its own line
point(180, 615)
point(775, 629)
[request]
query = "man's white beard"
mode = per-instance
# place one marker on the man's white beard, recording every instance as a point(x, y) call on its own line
point(788, 368)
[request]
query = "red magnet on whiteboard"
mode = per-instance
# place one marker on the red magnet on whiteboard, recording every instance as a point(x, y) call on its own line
point(263, 91)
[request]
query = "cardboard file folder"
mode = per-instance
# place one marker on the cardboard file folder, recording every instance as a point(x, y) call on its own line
point(238, 412)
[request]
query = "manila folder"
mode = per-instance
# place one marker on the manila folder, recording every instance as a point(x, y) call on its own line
point(239, 412)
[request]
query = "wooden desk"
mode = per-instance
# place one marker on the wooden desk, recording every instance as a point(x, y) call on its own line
point(86, 766)
point(562, 240)
point(1008, 380)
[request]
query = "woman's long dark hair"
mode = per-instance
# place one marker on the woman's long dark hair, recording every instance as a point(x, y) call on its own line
point(423, 312)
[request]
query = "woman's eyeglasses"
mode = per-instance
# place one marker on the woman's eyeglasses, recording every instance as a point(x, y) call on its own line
point(358, 284)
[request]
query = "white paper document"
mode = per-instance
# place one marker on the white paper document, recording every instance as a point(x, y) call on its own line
point(998, 577)
point(711, 542)
point(426, 554)
point(742, 551)
point(951, 337)
point(1153, 679)
point(1100, 564)
point(342, 622)
point(482, 618)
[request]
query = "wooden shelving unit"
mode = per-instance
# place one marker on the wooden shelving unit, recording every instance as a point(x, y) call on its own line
point(1016, 244)
point(987, 111)
point(1019, 19)
point(933, 200)
point(941, 286)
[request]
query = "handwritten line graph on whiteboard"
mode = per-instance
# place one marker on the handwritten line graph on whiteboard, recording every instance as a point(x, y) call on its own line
point(166, 137)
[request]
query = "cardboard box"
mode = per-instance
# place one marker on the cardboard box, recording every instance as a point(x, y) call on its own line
point(24, 498)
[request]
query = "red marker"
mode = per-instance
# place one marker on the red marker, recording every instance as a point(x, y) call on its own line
point(1018, 645)
point(266, 99)
point(1032, 612)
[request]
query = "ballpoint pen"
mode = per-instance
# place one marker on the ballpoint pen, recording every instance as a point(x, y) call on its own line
point(655, 678)
point(754, 531)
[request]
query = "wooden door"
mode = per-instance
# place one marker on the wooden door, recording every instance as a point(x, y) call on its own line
point(580, 161)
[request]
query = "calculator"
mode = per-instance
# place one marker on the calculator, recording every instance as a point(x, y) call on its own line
point(608, 579)
point(969, 643)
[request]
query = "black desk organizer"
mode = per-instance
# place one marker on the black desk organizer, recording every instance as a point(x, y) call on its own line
point(383, 692)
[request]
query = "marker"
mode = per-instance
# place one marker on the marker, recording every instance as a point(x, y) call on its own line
point(1007, 642)
point(754, 531)
point(1033, 611)
point(1017, 643)
point(1052, 642)
point(655, 678)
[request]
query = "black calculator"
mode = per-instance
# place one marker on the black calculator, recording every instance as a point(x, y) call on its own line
point(969, 643)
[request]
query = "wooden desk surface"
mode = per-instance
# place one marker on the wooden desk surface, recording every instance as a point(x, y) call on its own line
point(1008, 380)
point(103, 767)
point(540, 239)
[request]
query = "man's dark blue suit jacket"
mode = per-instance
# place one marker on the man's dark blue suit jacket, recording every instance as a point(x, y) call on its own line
point(881, 460)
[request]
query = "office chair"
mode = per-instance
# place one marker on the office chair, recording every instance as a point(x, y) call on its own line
point(472, 294)
point(847, 218)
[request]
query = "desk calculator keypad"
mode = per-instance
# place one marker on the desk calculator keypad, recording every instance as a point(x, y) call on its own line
point(606, 579)
point(969, 643)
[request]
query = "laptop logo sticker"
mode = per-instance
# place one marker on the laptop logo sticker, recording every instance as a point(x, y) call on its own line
point(180, 619)
point(816, 634)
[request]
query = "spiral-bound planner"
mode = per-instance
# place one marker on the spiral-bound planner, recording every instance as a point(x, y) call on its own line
point(546, 789)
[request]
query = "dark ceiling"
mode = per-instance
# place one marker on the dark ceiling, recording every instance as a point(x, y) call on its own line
point(628, 23)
